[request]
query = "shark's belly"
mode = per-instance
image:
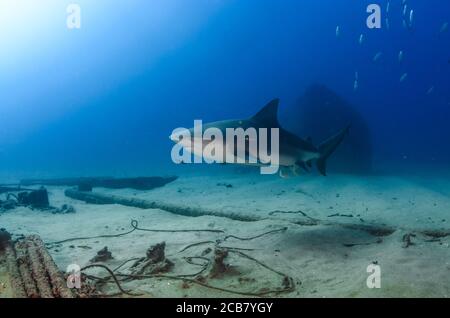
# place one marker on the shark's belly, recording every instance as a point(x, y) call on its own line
point(290, 156)
point(306, 156)
point(287, 160)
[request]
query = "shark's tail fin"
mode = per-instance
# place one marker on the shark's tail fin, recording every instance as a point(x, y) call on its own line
point(327, 147)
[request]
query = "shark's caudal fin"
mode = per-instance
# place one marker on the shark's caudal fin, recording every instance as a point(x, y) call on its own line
point(268, 115)
point(327, 147)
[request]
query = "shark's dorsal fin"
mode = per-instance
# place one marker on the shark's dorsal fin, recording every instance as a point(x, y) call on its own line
point(268, 115)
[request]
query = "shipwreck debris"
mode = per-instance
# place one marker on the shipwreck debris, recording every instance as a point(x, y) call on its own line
point(7, 205)
point(5, 238)
point(372, 229)
point(99, 198)
point(65, 208)
point(407, 242)
point(31, 269)
point(155, 261)
point(206, 251)
point(84, 184)
point(102, 256)
point(223, 184)
point(378, 241)
point(436, 233)
point(219, 267)
point(34, 199)
point(156, 253)
point(15, 188)
point(301, 217)
point(156, 265)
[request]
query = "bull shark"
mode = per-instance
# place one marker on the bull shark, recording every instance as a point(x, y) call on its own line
point(293, 151)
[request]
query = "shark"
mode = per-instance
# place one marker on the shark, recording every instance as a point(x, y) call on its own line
point(295, 154)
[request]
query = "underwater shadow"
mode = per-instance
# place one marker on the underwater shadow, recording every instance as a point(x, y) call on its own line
point(326, 239)
point(319, 113)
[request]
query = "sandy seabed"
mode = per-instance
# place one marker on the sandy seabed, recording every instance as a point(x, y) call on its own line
point(325, 260)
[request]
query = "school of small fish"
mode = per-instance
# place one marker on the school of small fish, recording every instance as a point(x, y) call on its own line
point(408, 23)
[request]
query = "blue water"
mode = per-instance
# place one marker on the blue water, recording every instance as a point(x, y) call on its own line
point(103, 99)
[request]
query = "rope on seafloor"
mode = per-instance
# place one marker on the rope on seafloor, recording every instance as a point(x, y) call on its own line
point(135, 227)
point(288, 283)
point(113, 276)
point(287, 286)
point(283, 229)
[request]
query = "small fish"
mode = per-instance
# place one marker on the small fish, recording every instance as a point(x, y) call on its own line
point(430, 90)
point(387, 24)
point(388, 6)
point(403, 77)
point(405, 8)
point(404, 24)
point(377, 56)
point(411, 17)
point(444, 27)
point(400, 56)
point(355, 85)
point(361, 38)
point(338, 31)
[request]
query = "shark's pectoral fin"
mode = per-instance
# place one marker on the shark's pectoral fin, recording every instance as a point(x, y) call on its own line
point(295, 170)
point(287, 172)
point(284, 172)
point(302, 165)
